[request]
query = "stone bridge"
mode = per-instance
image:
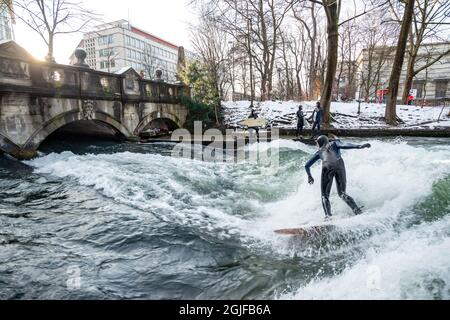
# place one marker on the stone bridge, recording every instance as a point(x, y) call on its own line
point(38, 98)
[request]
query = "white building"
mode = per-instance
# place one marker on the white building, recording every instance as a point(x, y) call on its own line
point(6, 21)
point(117, 45)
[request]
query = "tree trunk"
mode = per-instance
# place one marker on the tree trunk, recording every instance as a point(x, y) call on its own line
point(391, 112)
point(366, 94)
point(333, 42)
point(49, 57)
point(312, 62)
point(250, 57)
point(412, 56)
point(409, 78)
point(299, 86)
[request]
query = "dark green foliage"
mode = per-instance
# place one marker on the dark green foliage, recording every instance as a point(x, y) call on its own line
point(205, 103)
point(198, 111)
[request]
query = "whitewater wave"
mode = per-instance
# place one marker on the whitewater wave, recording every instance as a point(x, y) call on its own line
point(247, 202)
point(413, 266)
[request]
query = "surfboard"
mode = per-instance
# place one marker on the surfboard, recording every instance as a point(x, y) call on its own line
point(307, 231)
point(260, 122)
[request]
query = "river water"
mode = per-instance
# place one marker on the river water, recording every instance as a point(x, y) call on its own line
point(115, 221)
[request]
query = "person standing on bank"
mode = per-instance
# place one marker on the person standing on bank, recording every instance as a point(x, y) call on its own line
point(317, 119)
point(253, 115)
point(300, 121)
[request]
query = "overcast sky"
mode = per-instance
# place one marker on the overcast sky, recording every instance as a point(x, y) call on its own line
point(167, 19)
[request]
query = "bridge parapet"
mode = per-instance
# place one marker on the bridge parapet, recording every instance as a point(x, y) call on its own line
point(63, 81)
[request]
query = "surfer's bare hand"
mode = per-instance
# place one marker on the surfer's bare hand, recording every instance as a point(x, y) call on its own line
point(310, 180)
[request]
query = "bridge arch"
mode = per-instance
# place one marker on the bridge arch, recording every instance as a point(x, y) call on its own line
point(64, 119)
point(155, 116)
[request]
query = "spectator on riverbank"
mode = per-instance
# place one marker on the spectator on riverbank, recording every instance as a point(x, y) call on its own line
point(300, 121)
point(317, 119)
point(254, 115)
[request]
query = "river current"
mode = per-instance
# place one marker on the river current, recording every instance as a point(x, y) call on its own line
point(130, 221)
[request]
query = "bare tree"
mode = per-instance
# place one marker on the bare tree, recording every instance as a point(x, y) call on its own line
point(332, 10)
point(391, 107)
point(148, 62)
point(310, 25)
point(297, 47)
point(235, 17)
point(210, 42)
point(255, 26)
point(286, 65)
point(5, 21)
point(377, 38)
point(259, 32)
point(270, 15)
point(50, 18)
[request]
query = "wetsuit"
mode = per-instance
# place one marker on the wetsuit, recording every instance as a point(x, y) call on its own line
point(333, 167)
point(300, 122)
point(317, 118)
point(253, 115)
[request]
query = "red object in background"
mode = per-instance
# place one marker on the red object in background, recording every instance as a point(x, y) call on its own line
point(411, 98)
point(381, 94)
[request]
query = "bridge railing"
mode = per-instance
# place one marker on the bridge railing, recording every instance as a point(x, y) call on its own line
point(157, 91)
point(63, 81)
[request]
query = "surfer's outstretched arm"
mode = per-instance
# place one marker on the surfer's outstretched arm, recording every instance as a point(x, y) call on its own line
point(309, 164)
point(349, 146)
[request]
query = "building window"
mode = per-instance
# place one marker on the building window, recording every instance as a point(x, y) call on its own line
point(106, 52)
point(441, 88)
point(107, 64)
point(105, 40)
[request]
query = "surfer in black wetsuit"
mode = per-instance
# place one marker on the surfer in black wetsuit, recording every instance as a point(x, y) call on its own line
point(333, 167)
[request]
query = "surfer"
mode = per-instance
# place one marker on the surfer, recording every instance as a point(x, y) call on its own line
point(300, 121)
point(317, 119)
point(253, 115)
point(333, 167)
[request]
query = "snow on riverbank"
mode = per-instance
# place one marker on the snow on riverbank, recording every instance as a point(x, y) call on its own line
point(283, 115)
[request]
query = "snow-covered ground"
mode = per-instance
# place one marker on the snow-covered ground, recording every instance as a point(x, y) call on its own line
point(282, 114)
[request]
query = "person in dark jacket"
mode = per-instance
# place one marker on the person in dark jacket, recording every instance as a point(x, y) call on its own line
point(317, 119)
point(300, 121)
point(254, 115)
point(333, 167)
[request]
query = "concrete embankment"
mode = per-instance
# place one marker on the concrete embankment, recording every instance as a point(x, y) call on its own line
point(291, 134)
